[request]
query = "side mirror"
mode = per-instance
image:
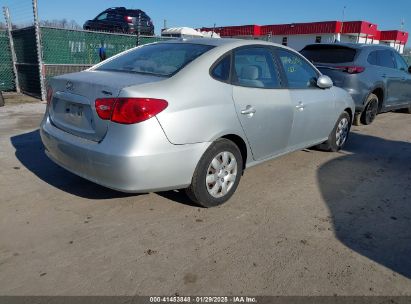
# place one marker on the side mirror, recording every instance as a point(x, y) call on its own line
point(409, 69)
point(324, 82)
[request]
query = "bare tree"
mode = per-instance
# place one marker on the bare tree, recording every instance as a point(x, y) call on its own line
point(62, 23)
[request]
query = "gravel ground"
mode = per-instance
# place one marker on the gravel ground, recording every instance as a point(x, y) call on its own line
point(308, 223)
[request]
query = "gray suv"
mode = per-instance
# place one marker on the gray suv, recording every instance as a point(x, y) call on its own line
point(376, 76)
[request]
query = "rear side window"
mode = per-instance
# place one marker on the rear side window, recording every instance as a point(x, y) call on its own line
point(160, 59)
point(222, 70)
point(372, 58)
point(386, 59)
point(329, 53)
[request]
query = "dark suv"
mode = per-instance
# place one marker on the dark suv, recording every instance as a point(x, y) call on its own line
point(121, 20)
point(376, 76)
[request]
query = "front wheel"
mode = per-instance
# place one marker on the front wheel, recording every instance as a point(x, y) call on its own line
point(339, 135)
point(217, 175)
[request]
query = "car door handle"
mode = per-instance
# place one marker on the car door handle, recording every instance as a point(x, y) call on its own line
point(248, 110)
point(300, 106)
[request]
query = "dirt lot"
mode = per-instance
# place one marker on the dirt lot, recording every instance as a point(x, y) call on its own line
point(309, 223)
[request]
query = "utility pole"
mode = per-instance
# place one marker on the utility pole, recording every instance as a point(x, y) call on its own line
point(138, 28)
point(212, 33)
point(12, 50)
point(39, 51)
point(342, 21)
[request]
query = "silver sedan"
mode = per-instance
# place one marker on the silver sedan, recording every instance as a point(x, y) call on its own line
point(191, 114)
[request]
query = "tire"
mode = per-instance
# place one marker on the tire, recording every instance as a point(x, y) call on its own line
point(357, 119)
point(1, 99)
point(339, 135)
point(371, 109)
point(222, 162)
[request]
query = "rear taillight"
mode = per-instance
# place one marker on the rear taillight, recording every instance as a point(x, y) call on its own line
point(129, 110)
point(128, 19)
point(352, 69)
point(104, 107)
point(49, 95)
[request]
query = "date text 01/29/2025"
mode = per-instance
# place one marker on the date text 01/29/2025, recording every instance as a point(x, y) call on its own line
point(203, 299)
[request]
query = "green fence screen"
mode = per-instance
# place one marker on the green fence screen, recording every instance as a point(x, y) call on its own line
point(67, 51)
point(6, 64)
point(27, 60)
point(62, 46)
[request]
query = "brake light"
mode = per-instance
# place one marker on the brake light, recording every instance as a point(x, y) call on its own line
point(128, 19)
point(352, 69)
point(129, 110)
point(104, 107)
point(49, 95)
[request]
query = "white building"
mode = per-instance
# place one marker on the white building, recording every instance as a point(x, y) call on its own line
point(187, 32)
point(298, 35)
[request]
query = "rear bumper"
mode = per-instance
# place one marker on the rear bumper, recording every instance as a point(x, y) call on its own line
point(133, 158)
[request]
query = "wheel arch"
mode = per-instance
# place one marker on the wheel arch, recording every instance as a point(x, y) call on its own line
point(349, 111)
point(241, 144)
point(379, 92)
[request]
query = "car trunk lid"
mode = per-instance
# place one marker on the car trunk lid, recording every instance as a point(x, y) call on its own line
point(72, 108)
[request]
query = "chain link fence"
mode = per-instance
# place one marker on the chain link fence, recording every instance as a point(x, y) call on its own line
point(66, 51)
point(6, 64)
point(41, 51)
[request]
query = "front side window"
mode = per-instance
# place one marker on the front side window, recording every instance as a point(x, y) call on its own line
point(401, 64)
point(385, 59)
point(300, 75)
point(222, 70)
point(159, 59)
point(254, 67)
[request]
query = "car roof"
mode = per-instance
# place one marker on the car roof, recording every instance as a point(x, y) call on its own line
point(225, 42)
point(353, 45)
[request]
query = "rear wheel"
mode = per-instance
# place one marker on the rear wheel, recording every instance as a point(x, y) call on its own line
point(371, 110)
point(339, 135)
point(217, 175)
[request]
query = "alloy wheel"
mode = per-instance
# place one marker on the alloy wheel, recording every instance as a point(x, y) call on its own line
point(342, 132)
point(371, 111)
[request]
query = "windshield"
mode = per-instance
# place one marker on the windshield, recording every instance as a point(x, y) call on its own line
point(329, 53)
point(160, 59)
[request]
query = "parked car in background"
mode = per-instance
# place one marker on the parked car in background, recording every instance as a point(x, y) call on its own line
point(377, 77)
point(121, 20)
point(191, 114)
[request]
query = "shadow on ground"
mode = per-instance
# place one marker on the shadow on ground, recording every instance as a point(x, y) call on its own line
point(30, 152)
point(368, 192)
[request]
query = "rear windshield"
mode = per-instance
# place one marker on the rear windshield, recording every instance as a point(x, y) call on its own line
point(329, 53)
point(160, 59)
